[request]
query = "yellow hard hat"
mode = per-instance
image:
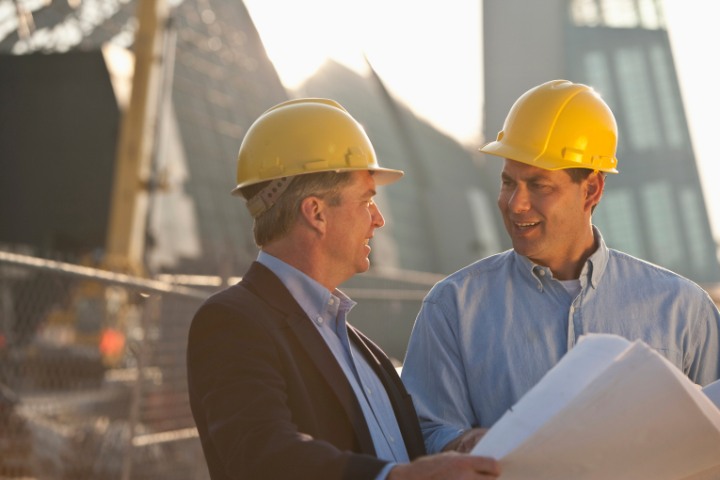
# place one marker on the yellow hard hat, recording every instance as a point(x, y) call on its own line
point(306, 135)
point(557, 125)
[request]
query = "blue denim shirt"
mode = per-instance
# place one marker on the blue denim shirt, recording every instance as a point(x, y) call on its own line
point(488, 333)
point(328, 312)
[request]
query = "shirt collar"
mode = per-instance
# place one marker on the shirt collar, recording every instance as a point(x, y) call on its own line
point(313, 298)
point(592, 270)
point(597, 262)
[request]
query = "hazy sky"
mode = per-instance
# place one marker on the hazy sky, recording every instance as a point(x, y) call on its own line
point(429, 56)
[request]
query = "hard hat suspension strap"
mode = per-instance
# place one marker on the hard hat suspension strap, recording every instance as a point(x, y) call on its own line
point(267, 197)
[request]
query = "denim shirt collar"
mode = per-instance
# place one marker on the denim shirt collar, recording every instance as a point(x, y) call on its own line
point(595, 266)
point(591, 272)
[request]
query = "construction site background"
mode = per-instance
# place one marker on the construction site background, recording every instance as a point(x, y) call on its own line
point(92, 370)
point(69, 410)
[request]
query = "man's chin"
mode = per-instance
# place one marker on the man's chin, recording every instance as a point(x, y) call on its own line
point(522, 248)
point(364, 267)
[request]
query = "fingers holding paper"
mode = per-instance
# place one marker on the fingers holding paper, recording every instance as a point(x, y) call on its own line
point(466, 441)
point(447, 466)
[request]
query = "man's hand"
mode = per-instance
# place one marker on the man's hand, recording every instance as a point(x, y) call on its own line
point(465, 442)
point(447, 466)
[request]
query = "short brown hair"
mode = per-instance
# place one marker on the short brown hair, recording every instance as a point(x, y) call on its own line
point(577, 175)
point(276, 222)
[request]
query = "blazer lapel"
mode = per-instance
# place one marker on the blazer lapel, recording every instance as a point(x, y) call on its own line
point(261, 281)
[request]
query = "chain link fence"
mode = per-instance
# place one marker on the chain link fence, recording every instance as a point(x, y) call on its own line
point(92, 366)
point(92, 375)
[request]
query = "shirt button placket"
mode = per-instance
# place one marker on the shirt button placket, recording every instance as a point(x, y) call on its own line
point(571, 328)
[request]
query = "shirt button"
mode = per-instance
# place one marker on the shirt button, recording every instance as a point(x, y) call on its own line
point(541, 273)
point(332, 301)
point(369, 392)
point(319, 320)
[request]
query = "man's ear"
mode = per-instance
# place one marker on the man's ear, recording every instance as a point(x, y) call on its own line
point(312, 211)
point(595, 186)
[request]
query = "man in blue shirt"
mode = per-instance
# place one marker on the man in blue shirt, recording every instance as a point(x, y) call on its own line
point(488, 333)
point(281, 386)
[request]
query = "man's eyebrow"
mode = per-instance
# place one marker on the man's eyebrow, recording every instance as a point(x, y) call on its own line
point(537, 177)
point(532, 178)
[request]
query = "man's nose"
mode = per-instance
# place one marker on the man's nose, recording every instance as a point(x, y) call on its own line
point(519, 199)
point(377, 216)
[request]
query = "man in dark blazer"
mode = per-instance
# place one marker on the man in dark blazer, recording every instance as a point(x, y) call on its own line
point(281, 386)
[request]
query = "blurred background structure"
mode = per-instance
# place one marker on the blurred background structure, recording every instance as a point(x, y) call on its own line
point(121, 121)
point(654, 209)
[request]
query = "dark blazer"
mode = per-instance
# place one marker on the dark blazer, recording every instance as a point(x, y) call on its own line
point(268, 397)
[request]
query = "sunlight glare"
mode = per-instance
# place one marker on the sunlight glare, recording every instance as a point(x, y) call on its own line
point(428, 54)
point(300, 37)
point(693, 32)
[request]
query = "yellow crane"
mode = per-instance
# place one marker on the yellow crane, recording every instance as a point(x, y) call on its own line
point(125, 243)
point(99, 315)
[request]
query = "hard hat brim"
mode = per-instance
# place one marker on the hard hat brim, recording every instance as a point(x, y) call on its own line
point(498, 149)
point(382, 176)
point(386, 176)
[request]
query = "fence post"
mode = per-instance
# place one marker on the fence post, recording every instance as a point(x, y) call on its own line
point(150, 315)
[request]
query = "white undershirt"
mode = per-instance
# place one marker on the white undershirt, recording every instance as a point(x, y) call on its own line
point(572, 286)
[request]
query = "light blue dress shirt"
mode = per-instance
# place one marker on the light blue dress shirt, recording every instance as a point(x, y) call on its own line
point(328, 312)
point(488, 333)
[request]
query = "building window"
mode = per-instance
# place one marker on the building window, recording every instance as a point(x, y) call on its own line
point(617, 218)
point(636, 95)
point(620, 13)
point(663, 223)
point(667, 97)
point(694, 220)
point(585, 13)
point(617, 14)
point(651, 14)
point(597, 73)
